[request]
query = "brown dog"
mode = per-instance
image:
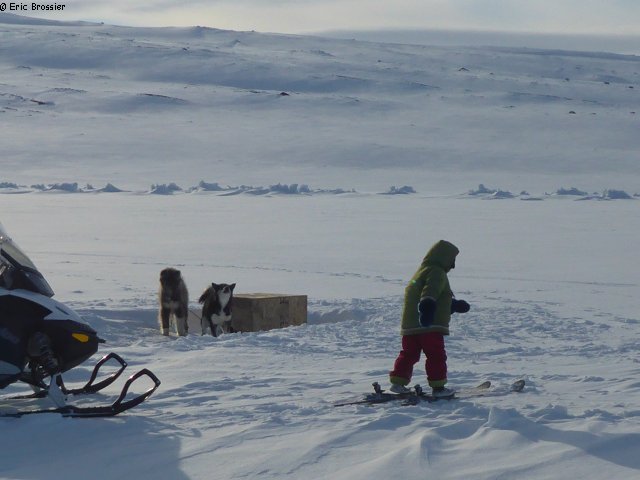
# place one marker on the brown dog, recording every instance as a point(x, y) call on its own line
point(174, 301)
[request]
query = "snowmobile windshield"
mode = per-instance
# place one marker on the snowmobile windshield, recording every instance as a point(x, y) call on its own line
point(17, 271)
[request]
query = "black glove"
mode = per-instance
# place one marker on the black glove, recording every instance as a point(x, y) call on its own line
point(459, 306)
point(427, 310)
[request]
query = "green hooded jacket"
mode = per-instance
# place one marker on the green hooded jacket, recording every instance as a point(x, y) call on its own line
point(430, 281)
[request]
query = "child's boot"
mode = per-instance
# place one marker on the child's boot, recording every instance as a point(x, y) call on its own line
point(442, 392)
point(400, 389)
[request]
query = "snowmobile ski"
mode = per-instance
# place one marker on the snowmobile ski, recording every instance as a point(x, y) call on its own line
point(120, 405)
point(418, 394)
point(89, 387)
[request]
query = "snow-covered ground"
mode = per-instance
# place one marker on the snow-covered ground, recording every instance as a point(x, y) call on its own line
point(551, 275)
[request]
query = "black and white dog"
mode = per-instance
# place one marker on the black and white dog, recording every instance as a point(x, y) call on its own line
point(217, 302)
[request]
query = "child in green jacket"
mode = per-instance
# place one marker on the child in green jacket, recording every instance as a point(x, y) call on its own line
point(428, 305)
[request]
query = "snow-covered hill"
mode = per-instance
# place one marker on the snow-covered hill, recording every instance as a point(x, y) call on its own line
point(198, 103)
point(553, 284)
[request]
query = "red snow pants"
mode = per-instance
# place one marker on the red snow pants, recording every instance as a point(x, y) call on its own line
point(432, 344)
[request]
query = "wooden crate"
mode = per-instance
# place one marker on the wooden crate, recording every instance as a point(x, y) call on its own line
point(253, 312)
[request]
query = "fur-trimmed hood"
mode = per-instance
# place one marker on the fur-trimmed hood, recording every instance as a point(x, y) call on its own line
point(442, 254)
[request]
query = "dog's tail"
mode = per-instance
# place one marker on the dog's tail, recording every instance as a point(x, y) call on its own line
point(204, 295)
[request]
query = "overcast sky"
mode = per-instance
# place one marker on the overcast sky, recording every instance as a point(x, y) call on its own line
point(304, 16)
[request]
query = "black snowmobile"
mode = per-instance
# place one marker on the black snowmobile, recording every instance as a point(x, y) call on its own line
point(40, 339)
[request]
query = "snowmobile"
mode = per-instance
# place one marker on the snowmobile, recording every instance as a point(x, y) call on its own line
point(41, 338)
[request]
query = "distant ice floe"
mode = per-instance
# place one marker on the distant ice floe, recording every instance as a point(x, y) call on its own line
point(214, 188)
point(571, 191)
point(173, 188)
point(608, 194)
point(495, 194)
point(61, 187)
point(109, 188)
point(277, 189)
point(405, 190)
point(164, 189)
point(490, 193)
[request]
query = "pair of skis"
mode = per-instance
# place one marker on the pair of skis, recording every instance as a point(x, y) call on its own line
point(419, 395)
point(58, 392)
